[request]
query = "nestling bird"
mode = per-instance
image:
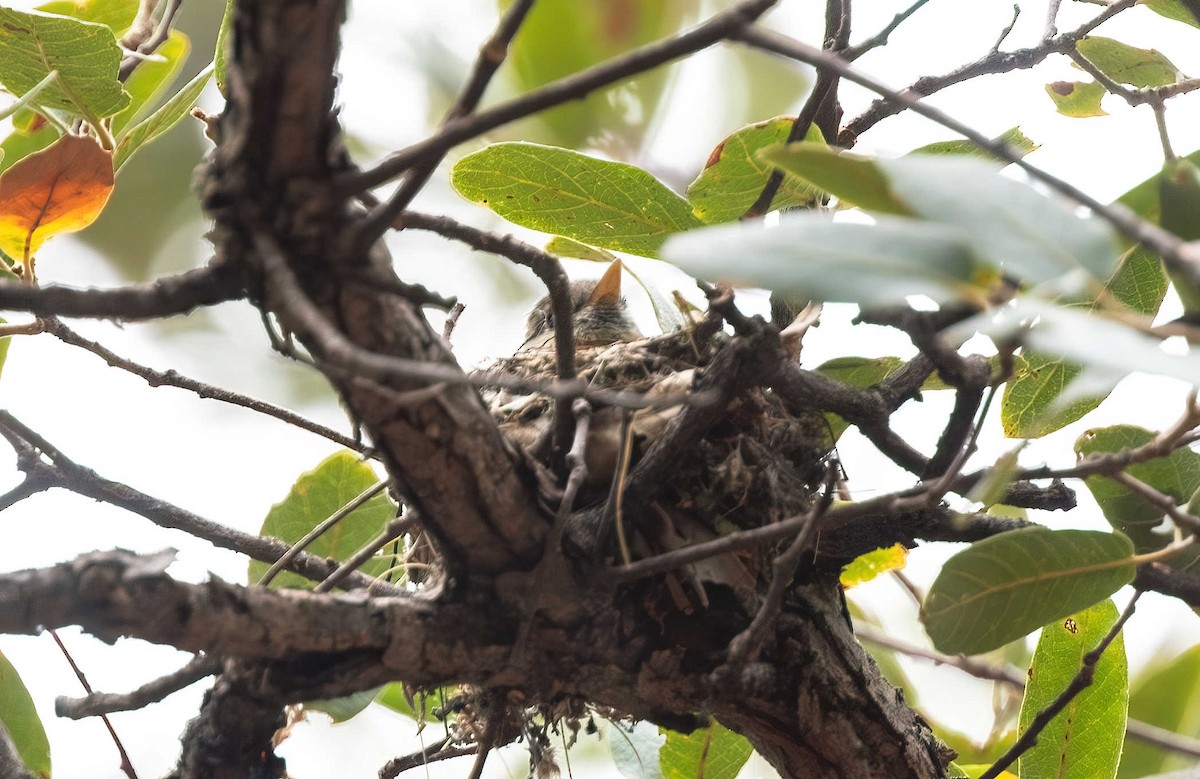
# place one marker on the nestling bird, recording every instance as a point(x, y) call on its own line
point(600, 314)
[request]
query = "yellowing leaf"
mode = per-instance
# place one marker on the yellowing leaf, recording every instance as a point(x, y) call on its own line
point(866, 567)
point(59, 190)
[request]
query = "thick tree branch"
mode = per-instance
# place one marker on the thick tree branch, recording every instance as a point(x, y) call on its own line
point(215, 283)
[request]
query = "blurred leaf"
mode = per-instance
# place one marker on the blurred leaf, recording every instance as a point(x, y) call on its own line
point(1176, 475)
point(315, 497)
point(21, 143)
point(1172, 9)
point(1006, 222)
point(346, 707)
point(1014, 138)
point(1007, 586)
point(116, 15)
point(21, 720)
point(714, 752)
point(866, 567)
point(1077, 99)
point(971, 754)
point(561, 37)
point(974, 771)
point(853, 179)
point(58, 190)
point(1179, 201)
point(754, 83)
point(1125, 64)
point(1140, 282)
point(151, 78)
point(1084, 740)
point(6, 341)
point(868, 371)
point(85, 55)
point(167, 116)
point(221, 54)
point(635, 748)
point(609, 204)
point(991, 488)
point(1029, 407)
point(733, 177)
point(1104, 347)
point(810, 255)
point(1166, 696)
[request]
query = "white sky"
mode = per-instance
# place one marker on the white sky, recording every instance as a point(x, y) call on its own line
point(231, 465)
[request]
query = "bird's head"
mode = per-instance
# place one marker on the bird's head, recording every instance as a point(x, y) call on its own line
point(598, 310)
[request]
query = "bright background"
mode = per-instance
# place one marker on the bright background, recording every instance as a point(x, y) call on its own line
point(401, 64)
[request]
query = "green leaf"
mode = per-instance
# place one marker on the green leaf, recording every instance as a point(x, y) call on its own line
point(116, 15)
point(635, 749)
point(1179, 201)
point(422, 706)
point(167, 116)
point(714, 752)
point(6, 341)
point(1176, 475)
point(1125, 64)
point(812, 256)
point(21, 143)
point(733, 177)
point(1166, 696)
point(1172, 9)
point(608, 204)
point(85, 55)
point(1029, 407)
point(1084, 740)
point(346, 707)
point(221, 54)
point(151, 78)
point(1077, 99)
point(1140, 283)
point(1014, 138)
point(316, 496)
point(1108, 350)
point(561, 37)
point(1007, 586)
point(868, 371)
point(855, 180)
point(20, 719)
point(1006, 222)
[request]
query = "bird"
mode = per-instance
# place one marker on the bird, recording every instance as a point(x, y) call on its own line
point(600, 314)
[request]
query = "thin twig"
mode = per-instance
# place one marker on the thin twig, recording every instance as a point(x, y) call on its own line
point(126, 765)
point(396, 528)
point(322, 527)
point(451, 320)
point(171, 378)
point(881, 38)
point(1078, 684)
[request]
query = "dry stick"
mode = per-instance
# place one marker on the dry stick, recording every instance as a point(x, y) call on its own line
point(65, 473)
point(152, 692)
point(1142, 731)
point(1078, 684)
point(323, 527)
point(425, 757)
point(58, 329)
point(126, 765)
point(452, 320)
point(1176, 253)
point(491, 56)
point(881, 38)
point(717, 28)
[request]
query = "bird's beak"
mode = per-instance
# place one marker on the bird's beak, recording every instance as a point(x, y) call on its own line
point(608, 288)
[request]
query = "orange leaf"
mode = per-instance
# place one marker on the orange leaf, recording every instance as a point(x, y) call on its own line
point(60, 189)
